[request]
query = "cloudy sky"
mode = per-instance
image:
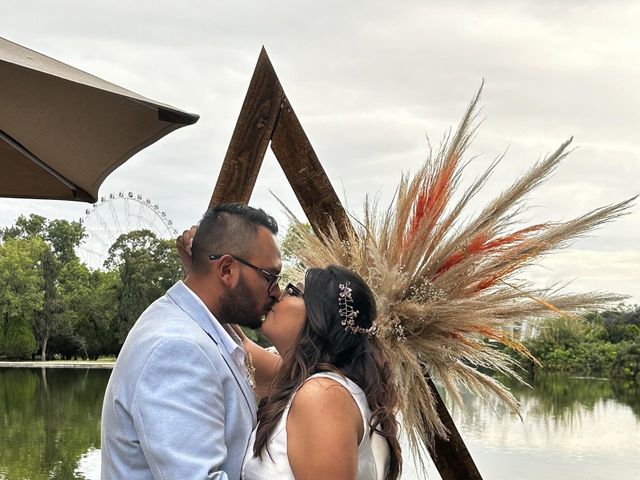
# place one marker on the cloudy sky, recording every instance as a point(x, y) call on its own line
point(369, 81)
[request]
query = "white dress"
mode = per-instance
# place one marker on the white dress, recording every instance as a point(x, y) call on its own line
point(373, 452)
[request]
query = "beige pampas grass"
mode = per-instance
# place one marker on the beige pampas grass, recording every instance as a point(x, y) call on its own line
point(447, 286)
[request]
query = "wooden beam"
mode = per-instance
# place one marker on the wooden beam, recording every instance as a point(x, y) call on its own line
point(451, 457)
point(267, 115)
point(306, 175)
point(251, 135)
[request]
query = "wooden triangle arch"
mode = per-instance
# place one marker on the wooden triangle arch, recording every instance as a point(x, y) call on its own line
point(268, 118)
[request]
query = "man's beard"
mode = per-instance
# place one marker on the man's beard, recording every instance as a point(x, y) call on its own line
point(237, 307)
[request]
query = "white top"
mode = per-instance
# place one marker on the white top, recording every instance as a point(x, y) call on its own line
point(231, 344)
point(373, 451)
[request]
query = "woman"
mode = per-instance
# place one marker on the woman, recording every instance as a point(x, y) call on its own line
point(329, 402)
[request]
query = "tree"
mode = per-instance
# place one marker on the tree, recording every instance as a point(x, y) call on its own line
point(292, 240)
point(60, 238)
point(627, 362)
point(89, 306)
point(21, 295)
point(147, 266)
point(47, 322)
point(623, 332)
point(622, 314)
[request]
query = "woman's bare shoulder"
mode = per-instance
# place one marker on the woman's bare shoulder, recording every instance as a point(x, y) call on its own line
point(324, 395)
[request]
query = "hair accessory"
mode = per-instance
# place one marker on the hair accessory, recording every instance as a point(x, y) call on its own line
point(348, 314)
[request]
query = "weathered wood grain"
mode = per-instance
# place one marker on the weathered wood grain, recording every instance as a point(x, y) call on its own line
point(306, 176)
point(251, 135)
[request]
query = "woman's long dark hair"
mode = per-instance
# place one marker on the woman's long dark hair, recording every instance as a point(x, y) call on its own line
point(324, 346)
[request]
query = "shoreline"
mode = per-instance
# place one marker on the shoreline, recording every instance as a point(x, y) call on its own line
point(58, 364)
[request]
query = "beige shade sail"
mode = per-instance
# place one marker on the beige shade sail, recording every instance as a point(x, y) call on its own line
point(62, 131)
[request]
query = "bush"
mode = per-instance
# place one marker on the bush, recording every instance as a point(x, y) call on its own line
point(574, 347)
point(584, 358)
point(627, 362)
point(67, 347)
point(623, 332)
point(18, 341)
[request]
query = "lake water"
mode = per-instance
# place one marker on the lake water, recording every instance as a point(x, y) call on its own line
point(571, 429)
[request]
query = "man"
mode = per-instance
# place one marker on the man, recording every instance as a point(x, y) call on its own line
point(178, 404)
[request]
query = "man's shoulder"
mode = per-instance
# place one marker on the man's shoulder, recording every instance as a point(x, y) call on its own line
point(163, 321)
point(166, 333)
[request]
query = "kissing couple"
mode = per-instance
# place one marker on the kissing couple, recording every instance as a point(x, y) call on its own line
point(181, 400)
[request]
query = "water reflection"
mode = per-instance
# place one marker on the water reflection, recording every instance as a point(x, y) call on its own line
point(563, 397)
point(50, 418)
point(571, 428)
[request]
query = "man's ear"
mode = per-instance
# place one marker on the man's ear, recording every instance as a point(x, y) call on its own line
point(225, 269)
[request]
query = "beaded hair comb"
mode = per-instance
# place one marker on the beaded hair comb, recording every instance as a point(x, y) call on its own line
point(349, 314)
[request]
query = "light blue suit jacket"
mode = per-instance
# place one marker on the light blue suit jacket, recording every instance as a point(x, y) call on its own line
point(177, 405)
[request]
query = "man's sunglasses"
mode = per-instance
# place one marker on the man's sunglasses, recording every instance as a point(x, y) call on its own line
point(271, 278)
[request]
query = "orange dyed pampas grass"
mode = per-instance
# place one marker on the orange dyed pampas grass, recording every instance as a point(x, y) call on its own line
point(448, 284)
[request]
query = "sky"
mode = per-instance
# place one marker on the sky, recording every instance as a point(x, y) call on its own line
point(370, 82)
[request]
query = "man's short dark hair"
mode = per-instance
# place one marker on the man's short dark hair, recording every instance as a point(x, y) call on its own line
point(229, 228)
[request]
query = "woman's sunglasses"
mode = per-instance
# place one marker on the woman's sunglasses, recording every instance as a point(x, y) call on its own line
point(292, 290)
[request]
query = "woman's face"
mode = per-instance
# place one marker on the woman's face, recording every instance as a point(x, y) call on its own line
point(285, 320)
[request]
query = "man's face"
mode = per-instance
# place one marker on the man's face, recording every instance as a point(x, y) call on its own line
point(238, 307)
point(253, 297)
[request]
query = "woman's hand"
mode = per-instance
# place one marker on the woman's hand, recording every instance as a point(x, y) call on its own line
point(184, 243)
point(239, 332)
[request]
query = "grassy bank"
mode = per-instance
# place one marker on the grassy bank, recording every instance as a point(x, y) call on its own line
point(106, 362)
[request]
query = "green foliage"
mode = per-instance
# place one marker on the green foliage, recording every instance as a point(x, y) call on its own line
point(588, 346)
point(627, 363)
point(46, 294)
point(51, 302)
point(60, 238)
point(89, 300)
point(21, 295)
point(623, 333)
point(63, 236)
point(17, 341)
point(147, 267)
point(98, 309)
point(20, 280)
point(563, 331)
point(256, 336)
point(25, 227)
point(291, 241)
point(288, 247)
point(585, 358)
point(623, 314)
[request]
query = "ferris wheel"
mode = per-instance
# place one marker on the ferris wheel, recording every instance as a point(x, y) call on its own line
point(115, 214)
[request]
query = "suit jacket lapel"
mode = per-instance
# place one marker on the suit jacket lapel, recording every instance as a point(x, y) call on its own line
point(184, 299)
point(241, 377)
